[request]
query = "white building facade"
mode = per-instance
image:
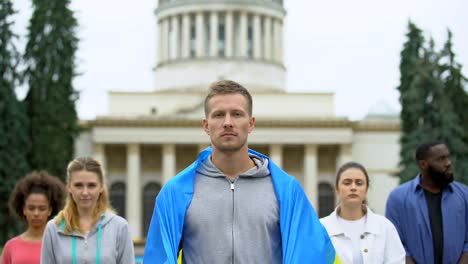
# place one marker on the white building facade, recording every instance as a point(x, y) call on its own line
point(148, 137)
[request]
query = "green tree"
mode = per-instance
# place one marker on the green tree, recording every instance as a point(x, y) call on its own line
point(13, 122)
point(455, 83)
point(410, 94)
point(50, 61)
point(434, 103)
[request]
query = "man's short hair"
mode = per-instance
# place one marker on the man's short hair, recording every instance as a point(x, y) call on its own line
point(228, 87)
point(422, 151)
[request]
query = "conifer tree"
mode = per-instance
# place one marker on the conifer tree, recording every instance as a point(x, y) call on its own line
point(13, 122)
point(455, 83)
point(50, 62)
point(434, 103)
point(410, 99)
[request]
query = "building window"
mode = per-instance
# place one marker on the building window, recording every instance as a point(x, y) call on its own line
point(117, 198)
point(150, 192)
point(250, 38)
point(193, 37)
point(326, 199)
point(221, 37)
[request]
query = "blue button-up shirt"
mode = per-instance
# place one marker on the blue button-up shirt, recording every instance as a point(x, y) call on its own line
point(407, 209)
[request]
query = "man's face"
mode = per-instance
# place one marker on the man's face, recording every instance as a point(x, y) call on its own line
point(228, 122)
point(439, 165)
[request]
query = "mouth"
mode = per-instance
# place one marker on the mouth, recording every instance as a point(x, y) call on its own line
point(228, 135)
point(353, 196)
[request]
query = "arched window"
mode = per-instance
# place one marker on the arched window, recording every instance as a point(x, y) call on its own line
point(150, 192)
point(117, 197)
point(326, 201)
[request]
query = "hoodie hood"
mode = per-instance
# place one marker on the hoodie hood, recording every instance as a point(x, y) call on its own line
point(103, 220)
point(207, 168)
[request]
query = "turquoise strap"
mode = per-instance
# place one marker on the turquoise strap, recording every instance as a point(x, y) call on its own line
point(98, 250)
point(74, 249)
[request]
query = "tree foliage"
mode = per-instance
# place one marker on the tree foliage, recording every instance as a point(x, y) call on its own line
point(13, 122)
point(50, 61)
point(434, 102)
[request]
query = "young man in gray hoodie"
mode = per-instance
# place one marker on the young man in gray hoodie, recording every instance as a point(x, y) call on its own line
point(234, 205)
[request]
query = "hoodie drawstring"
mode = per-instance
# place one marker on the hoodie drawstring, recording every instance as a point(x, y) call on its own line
point(98, 246)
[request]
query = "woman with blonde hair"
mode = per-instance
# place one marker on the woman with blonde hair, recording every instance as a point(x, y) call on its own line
point(359, 235)
point(35, 199)
point(87, 230)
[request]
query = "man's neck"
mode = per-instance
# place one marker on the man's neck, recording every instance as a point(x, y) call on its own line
point(430, 185)
point(232, 164)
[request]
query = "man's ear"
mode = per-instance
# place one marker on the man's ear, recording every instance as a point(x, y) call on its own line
point(205, 126)
point(423, 164)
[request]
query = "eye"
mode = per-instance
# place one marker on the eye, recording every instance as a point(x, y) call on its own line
point(217, 115)
point(346, 182)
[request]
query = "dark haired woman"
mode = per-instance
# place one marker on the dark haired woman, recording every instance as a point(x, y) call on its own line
point(86, 230)
point(359, 235)
point(35, 199)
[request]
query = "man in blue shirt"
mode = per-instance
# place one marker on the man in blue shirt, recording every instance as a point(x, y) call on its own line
point(430, 212)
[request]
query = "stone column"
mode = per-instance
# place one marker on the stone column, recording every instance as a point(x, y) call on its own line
point(165, 38)
point(311, 174)
point(267, 39)
point(133, 197)
point(185, 43)
point(229, 24)
point(213, 34)
point(175, 41)
point(99, 154)
point(200, 35)
point(277, 40)
point(168, 162)
point(243, 34)
point(257, 37)
point(276, 154)
point(344, 154)
point(160, 42)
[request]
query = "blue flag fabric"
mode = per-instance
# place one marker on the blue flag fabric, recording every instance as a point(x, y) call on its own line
point(304, 239)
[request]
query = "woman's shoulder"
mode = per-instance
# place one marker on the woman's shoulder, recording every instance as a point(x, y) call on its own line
point(12, 242)
point(115, 219)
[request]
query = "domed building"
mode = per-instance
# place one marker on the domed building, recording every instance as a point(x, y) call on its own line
point(147, 137)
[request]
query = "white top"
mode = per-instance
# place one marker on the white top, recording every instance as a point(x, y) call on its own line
point(380, 242)
point(354, 229)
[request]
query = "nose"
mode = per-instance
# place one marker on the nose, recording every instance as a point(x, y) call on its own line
point(227, 121)
point(448, 163)
point(85, 190)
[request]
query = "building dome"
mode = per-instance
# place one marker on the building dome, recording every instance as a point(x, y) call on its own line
point(201, 41)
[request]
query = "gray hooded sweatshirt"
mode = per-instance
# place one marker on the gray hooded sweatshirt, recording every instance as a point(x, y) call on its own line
point(233, 221)
point(115, 245)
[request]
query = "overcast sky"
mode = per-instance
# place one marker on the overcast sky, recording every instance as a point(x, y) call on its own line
point(348, 47)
